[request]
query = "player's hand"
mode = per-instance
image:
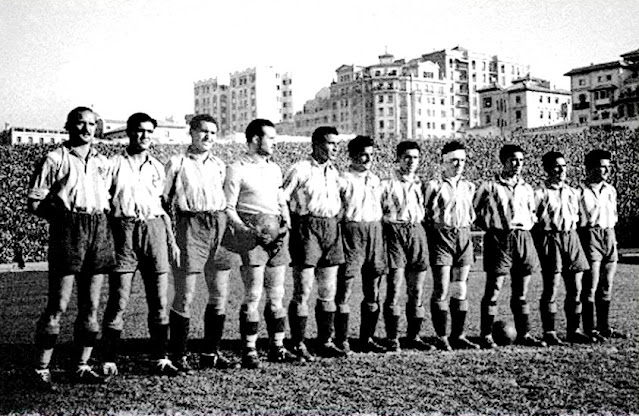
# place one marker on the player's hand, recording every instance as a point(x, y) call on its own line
point(264, 239)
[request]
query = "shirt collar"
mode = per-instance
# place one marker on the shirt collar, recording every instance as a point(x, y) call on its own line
point(91, 153)
point(198, 156)
point(398, 176)
point(504, 181)
point(328, 164)
point(555, 185)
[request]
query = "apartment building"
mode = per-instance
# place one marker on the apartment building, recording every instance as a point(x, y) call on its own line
point(258, 92)
point(28, 135)
point(528, 103)
point(434, 95)
point(211, 97)
point(467, 71)
point(606, 92)
point(387, 100)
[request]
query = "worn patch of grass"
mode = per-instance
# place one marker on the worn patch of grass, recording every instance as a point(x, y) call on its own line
point(575, 379)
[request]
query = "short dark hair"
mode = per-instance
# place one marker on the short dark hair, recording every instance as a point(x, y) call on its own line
point(74, 115)
point(508, 150)
point(320, 133)
point(548, 159)
point(452, 146)
point(594, 156)
point(137, 118)
point(198, 119)
point(403, 147)
point(256, 128)
point(358, 144)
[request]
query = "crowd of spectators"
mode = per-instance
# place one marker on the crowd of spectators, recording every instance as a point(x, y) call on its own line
point(23, 237)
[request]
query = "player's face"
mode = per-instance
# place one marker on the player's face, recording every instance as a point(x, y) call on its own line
point(141, 137)
point(202, 137)
point(363, 161)
point(409, 161)
point(557, 172)
point(266, 143)
point(454, 163)
point(601, 172)
point(326, 150)
point(513, 164)
point(83, 129)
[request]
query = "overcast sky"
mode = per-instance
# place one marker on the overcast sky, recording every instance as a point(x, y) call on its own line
point(123, 56)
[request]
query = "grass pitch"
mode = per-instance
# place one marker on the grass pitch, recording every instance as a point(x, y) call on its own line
point(600, 379)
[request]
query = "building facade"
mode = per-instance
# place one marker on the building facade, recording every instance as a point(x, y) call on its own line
point(527, 103)
point(212, 98)
point(25, 135)
point(434, 95)
point(258, 92)
point(607, 92)
point(468, 71)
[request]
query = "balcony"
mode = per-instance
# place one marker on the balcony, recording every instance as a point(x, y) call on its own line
point(461, 104)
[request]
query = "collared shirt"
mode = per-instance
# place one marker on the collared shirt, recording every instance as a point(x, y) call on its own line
point(450, 202)
point(403, 199)
point(254, 186)
point(136, 187)
point(598, 205)
point(505, 207)
point(195, 182)
point(313, 188)
point(557, 207)
point(361, 196)
point(81, 185)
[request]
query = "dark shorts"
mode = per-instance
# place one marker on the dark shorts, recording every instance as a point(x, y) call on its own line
point(510, 252)
point(140, 244)
point(559, 251)
point(599, 244)
point(450, 246)
point(198, 236)
point(406, 246)
point(315, 241)
point(252, 253)
point(364, 249)
point(80, 244)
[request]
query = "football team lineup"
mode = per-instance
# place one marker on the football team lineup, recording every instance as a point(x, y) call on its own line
point(197, 217)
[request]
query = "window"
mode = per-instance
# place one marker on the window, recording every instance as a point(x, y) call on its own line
point(443, 126)
point(487, 118)
point(608, 77)
point(581, 81)
point(541, 114)
point(517, 99)
point(488, 102)
point(473, 64)
point(381, 124)
point(380, 99)
point(518, 115)
point(548, 99)
point(541, 98)
point(389, 99)
point(390, 111)
point(419, 124)
point(381, 111)
point(503, 69)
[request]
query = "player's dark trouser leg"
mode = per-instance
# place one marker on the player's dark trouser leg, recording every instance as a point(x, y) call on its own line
point(179, 328)
point(248, 328)
point(439, 314)
point(458, 311)
point(489, 308)
point(159, 340)
point(274, 324)
point(86, 324)
point(297, 324)
point(342, 316)
point(369, 318)
point(213, 329)
point(325, 319)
